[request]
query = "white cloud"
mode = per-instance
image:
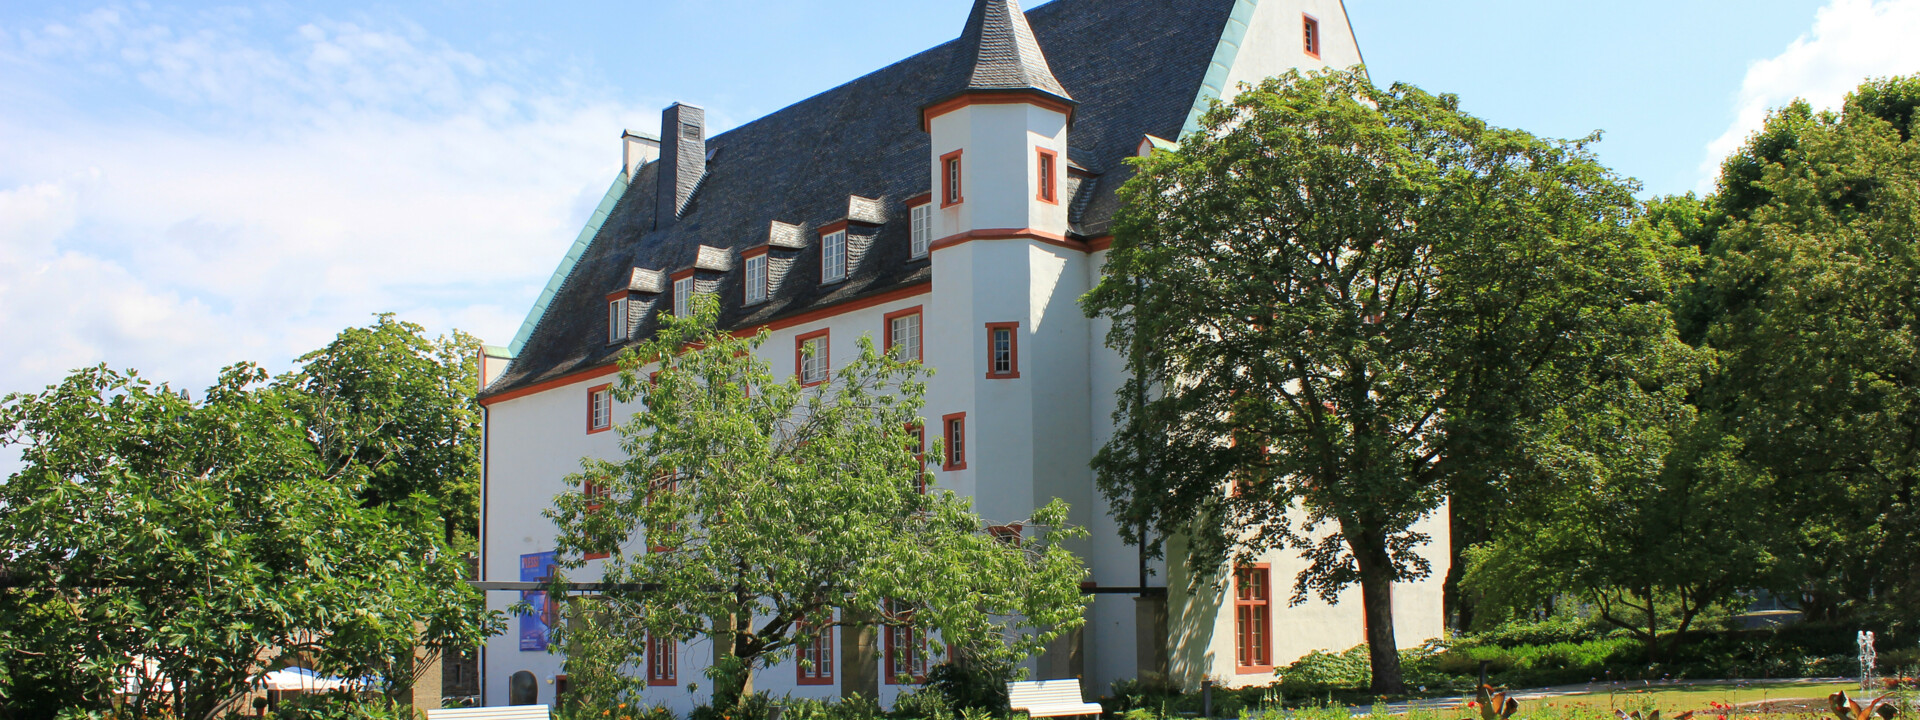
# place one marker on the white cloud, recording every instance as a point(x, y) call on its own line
point(192, 191)
point(1851, 40)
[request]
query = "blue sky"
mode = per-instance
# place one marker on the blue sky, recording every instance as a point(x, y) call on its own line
point(185, 185)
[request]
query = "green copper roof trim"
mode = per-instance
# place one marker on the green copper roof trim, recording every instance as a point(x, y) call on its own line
point(566, 263)
point(1222, 63)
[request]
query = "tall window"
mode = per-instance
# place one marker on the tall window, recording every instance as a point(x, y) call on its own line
point(1049, 192)
point(756, 279)
point(950, 179)
point(683, 296)
point(617, 320)
point(596, 493)
point(1252, 620)
point(955, 428)
point(833, 256)
point(1003, 350)
point(917, 444)
point(1310, 29)
point(599, 408)
point(906, 646)
point(903, 334)
point(663, 661)
point(810, 357)
point(922, 230)
point(816, 658)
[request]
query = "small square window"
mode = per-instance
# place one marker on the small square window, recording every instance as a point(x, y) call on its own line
point(955, 428)
point(922, 230)
point(833, 256)
point(1310, 28)
point(617, 320)
point(756, 279)
point(683, 296)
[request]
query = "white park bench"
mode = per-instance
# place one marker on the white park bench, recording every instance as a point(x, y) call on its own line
point(1049, 698)
point(515, 712)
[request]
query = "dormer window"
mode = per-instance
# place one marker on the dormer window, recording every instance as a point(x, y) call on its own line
point(833, 256)
point(922, 215)
point(756, 279)
point(950, 177)
point(683, 296)
point(617, 321)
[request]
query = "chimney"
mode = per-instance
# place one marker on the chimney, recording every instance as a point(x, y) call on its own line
point(683, 160)
point(638, 149)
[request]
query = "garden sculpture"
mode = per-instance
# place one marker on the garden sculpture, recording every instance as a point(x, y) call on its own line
point(1496, 705)
point(1848, 709)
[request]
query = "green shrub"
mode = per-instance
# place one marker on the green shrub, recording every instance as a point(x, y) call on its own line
point(923, 704)
point(975, 685)
point(853, 708)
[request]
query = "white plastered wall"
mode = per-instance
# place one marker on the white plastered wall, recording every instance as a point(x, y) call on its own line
point(1275, 42)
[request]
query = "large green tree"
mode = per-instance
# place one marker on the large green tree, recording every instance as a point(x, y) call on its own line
point(1812, 295)
point(1340, 302)
point(402, 406)
point(164, 552)
point(755, 512)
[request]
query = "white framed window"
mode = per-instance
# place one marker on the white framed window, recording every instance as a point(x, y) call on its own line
point(756, 279)
point(810, 357)
point(599, 408)
point(683, 296)
point(922, 230)
point(903, 336)
point(617, 320)
point(833, 256)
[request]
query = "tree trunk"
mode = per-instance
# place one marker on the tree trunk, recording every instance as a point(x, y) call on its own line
point(1376, 599)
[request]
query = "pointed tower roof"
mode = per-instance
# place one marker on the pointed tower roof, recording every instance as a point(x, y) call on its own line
point(997, 53)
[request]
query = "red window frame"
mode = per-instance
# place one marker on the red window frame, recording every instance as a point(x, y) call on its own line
point(820, 654)
point(800, 356)
point(886, 332)
point(1253, 618)
point(593, 394)
point(663, 661)
point(918, 431)
point(1310, 32)
point(1013, 350)
point(903, 636)
point(954, 427)
point(952, 179)
point(1048, 162)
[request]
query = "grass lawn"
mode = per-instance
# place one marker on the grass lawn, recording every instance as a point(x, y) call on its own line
point(1674, 699)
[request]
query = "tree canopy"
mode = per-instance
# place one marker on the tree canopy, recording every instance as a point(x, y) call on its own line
point(1340, 303)
point(757, 513)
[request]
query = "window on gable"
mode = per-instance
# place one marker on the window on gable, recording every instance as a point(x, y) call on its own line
point(1252, 620)
point(1049, 191)
point(955, 428)
point(810, 357)
point(903, 334)
point(1003, 350)
point(683, 296)
point(756, 279)
point(1310, 28)
point(617, 320)
point(922, 230)
point(663, 661)
point(816, 658)
point(950, 179)
point(599, 408)
point(833, 256)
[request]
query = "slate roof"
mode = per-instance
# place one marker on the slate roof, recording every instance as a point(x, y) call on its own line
point(1134, 66)
point(998, 52)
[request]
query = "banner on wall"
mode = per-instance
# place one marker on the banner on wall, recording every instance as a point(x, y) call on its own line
point(536, 567)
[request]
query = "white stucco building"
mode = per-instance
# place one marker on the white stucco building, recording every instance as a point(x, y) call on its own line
point(957, 202)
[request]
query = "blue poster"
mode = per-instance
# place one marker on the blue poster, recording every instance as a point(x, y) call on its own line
point(536, 567)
